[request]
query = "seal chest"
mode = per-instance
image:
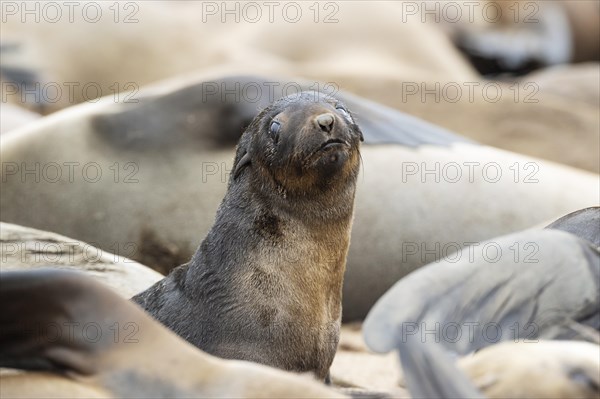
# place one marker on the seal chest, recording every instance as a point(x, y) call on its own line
point(265, 284)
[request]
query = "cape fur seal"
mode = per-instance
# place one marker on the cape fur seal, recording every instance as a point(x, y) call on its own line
point(25, 248)
point(178, 143)
point(265, 285)
point(78, 339)
point(543, 285)
point(537, 284)
point(541, 369)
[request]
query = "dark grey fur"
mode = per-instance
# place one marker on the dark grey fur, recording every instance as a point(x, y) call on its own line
point(265, 284)
point(214, 114)
point(430, 373)
point(552, 293)
point(584, 223)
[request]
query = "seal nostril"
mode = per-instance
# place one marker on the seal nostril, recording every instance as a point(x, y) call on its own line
point(325, 121)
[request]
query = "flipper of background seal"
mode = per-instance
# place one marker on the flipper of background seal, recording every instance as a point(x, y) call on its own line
point(551, 284)
point(162, 181)
point(430, 373)
point(384, 125)
point(541, 369)
point(584, 223)
point(216, 112)
point(142, 359)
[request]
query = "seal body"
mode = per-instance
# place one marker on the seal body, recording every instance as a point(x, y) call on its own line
point(265, 284)
point(552, 284)
point(24, 248)
point(140, 358)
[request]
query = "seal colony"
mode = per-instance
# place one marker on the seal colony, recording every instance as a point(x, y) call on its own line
point(187, 130)
point(265, 285)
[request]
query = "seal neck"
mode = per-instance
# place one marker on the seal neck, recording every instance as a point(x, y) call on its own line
point(331, 201)
point(306, 238)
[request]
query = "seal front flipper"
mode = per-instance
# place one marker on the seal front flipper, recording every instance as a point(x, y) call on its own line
point(43, 317)
point(205, 115)
point(89, 339)
point(429, 373)
point(551, 284)
point(384, 125)
point(214, 114)
point(584, 223)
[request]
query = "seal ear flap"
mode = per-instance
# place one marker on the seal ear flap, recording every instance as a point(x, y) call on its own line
point(242, 155)
point(241, 164)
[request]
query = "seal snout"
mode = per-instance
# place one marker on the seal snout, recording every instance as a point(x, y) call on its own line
point(325, 121)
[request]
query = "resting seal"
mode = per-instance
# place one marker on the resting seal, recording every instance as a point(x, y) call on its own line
point(76, 338)
point(265, 284)
point(519, 369)
point(552, 283)
point(24, 248)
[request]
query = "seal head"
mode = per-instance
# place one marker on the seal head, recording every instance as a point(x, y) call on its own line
point(303, 141)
